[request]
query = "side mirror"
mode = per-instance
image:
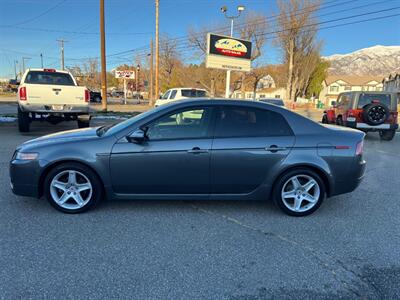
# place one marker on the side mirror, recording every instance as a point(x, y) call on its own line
point(138, 136)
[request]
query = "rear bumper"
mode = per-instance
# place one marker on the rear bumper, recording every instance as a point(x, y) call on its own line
point(55, 108)
point(365, 126)
point(352, 180)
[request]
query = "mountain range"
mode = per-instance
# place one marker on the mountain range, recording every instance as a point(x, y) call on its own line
point(375, 61)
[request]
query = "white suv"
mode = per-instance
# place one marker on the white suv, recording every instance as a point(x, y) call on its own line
point(180, 94)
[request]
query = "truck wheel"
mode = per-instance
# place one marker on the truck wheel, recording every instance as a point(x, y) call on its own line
point(387, 135)
point(23, 121)
point(83, 124)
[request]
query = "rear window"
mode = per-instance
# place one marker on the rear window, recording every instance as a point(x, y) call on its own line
point(193, 93)
point(42, 77)
point(250, 122)
point(366, 99)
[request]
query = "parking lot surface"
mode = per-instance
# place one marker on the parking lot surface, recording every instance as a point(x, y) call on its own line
point(204, 250)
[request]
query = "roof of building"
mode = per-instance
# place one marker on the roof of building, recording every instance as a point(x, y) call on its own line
point(353, 80)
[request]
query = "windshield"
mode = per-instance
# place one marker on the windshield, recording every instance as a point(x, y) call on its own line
point(366, 99)
point(53, 78)
point(114, 128)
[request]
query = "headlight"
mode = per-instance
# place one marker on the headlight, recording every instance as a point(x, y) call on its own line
point(26, 156)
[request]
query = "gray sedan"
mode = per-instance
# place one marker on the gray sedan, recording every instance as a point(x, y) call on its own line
point(194, 149)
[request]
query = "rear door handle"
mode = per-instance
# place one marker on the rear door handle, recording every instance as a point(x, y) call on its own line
point(275, 148)
point(197, 150)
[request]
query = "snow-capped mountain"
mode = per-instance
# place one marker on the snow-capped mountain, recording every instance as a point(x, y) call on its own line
point(377, 61)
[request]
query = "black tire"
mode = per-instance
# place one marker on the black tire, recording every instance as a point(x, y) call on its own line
point(387, 135)
point(375, 113)
point(95, 182)
point(283, 179)
point(325, 119)
point(83, 124)
point(23, 121)
point(339, 121)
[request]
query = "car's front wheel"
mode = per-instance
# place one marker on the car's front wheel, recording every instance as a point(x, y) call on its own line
point(72, 188)
point(299, 192)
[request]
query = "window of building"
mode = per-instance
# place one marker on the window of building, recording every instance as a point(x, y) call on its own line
point(347, 88)
point(334, 89)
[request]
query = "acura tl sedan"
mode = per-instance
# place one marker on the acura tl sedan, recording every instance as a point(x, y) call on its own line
point(194, 150)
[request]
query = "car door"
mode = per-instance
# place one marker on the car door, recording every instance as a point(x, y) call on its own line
point(248, 144)
point(174, 158)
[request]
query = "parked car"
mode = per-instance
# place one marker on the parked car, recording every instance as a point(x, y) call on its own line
point(53, 96)
point(180, 94)
point(12, 85)
point(95, 96)
point(367, 111)
point(231, 150)
point(274, 101)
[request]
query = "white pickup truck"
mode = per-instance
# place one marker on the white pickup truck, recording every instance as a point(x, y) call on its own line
point(53, 96)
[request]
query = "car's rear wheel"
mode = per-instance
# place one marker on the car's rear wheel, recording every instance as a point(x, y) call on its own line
point(83, 124)
point(339, 121)
point(23, 121)
point(387, 135)
point(324, 119)
point(299, 192)
point(72, 188)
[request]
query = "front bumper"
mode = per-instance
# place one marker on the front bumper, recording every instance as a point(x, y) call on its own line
point(24, 177)
point(55, 108)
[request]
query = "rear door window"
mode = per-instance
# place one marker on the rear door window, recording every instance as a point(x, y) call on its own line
point(52, 78)
point(234, 121)
point(366, 98)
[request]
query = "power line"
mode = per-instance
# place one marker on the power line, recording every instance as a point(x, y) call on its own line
point(41, 14)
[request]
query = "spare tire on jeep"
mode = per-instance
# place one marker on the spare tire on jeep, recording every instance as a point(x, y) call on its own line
point(375, 113)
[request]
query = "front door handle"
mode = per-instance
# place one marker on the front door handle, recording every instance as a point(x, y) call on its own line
point(197, 150)
point(275, 148)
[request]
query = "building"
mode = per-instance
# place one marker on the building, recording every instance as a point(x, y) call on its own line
point(392, 83)
point(275, 92)
point(266, 88)
point(332, 86)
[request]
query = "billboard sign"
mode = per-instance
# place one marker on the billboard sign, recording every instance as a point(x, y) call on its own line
point(228, 53)
point(125, 74)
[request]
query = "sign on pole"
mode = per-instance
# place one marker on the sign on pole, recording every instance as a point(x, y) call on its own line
point(228, 53)
point(127, 74)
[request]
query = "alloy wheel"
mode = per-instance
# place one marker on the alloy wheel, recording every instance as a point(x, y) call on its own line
point(71, 189)
point(300, 193)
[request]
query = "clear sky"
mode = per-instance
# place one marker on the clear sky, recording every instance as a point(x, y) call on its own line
point(31, 27)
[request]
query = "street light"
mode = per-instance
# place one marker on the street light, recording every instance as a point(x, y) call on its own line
point(224, 10)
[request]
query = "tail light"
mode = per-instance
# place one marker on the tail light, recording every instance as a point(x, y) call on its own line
point(49, 70)
point(87, 95)
point(22, 93)
point(359, 148)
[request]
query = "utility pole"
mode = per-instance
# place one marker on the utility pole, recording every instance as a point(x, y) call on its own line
point(15, 68)
point(23, 63)
point(224, 10)
point(62, 41)
point(151, 102)
point(41, 59)
point(103, 58)
point(157, 52)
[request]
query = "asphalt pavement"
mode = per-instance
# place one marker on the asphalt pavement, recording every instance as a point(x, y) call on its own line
point(348, 249)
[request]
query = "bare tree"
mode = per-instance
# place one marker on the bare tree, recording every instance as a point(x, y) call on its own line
point(297, 38)
point(169, 60)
